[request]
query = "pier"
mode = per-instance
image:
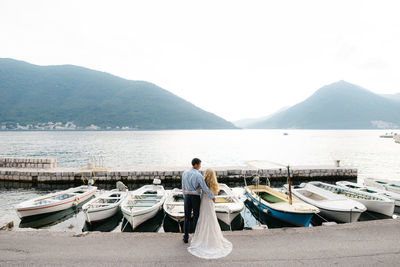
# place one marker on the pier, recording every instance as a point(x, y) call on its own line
point(373, 243)
point(45, 170)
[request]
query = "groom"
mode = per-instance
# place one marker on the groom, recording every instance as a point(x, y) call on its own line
point(191, 180)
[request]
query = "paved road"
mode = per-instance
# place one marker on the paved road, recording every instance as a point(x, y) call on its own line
point(373, 243)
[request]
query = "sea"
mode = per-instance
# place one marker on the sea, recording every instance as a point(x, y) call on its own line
point(362, 149)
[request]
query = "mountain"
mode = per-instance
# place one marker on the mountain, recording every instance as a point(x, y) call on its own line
point(32, 94)
point(392, 96)
point(340, 105)
point(244, 123)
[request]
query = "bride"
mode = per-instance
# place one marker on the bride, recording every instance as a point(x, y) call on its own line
point(208, 241)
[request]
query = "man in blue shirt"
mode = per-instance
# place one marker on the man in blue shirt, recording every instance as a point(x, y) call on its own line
point(192, 180)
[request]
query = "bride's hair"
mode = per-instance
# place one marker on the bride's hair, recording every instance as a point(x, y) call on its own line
point(211, 181)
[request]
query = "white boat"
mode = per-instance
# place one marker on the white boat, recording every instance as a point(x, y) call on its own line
point(174, 205)
point(372, 190)
point(389, 185)
point(397, 138)
point(332, 206)
point(104, 206)
point(55, 201)
point(143, 204)
point(375, 203)
point(227, 205)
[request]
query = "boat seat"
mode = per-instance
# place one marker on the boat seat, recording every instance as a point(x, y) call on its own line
point(140, 206)
point(221, 200)
point(270, 198)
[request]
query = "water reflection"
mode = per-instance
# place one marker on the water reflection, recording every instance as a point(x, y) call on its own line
point(46, 220)
point(51, 219)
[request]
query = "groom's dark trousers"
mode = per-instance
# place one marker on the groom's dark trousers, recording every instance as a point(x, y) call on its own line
point(192, 202)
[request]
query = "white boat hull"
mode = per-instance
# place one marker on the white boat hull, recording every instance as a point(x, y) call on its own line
point(372, 190)
point(100, 215)
point(104, 206)
point(174, 210)
point(226, 217)
point(24, 212)
point(381, 204)
point(178, 219)
point(332, 206)
point(341, 216)
point(140, 206)
point(385, 208)
point(136, 218)
point(229, 209)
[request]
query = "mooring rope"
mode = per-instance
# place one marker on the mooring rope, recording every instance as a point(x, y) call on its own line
point(125, 225)
point(321, 217)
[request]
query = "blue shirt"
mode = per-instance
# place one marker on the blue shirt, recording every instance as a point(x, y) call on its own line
point(191, 179)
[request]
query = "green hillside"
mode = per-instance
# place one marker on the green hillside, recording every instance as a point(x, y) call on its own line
point(340, 105)
point(32, 94)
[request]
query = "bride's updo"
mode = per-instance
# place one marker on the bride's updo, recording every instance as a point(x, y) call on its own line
point(211, 181)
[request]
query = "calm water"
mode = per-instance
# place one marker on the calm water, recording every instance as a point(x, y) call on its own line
point(364, 150)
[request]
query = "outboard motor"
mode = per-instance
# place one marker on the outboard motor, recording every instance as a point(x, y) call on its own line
point(121, 187)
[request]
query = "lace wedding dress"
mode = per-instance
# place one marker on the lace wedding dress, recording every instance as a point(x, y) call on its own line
point(208, 241)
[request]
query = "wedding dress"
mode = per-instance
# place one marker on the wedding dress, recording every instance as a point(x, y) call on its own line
point(208, 241)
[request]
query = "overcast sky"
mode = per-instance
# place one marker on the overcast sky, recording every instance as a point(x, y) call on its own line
point(237, 59)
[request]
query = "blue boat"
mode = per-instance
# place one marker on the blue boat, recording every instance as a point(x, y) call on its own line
point(273, 208)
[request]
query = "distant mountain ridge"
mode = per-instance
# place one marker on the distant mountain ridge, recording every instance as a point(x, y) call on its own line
point(340, 105)
point(86, 98)
point(392, 96)
point(244, 123)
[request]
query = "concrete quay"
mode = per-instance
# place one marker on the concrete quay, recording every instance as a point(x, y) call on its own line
point(139, 175)
point(372, 243)
point(276, 173)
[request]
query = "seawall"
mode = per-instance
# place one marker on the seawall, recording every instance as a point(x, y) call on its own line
point(21, 171)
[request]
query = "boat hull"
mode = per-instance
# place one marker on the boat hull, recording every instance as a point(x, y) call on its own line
point(110, 202)
point(178, 219)
point(137, 218)
point(275, 218)
point(227, 217)
point(340, 216)
point(100, 215)
point(26, 212)
point(382, 207)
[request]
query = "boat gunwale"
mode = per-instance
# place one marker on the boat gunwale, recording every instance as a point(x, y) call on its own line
point(277, 218)
point(319, 202)
point(55, 204)
point(87, 207)
point(277, 208)
point(283, 211)
point(370, 196)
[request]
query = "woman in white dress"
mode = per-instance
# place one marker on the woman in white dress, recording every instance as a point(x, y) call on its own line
point(208, 241)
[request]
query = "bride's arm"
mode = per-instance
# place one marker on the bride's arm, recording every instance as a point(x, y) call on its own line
point(193, 192)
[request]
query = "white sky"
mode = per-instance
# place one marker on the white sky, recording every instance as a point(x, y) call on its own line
point(237, 59)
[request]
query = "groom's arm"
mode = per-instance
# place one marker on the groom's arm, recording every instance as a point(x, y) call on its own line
point(204, 186)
